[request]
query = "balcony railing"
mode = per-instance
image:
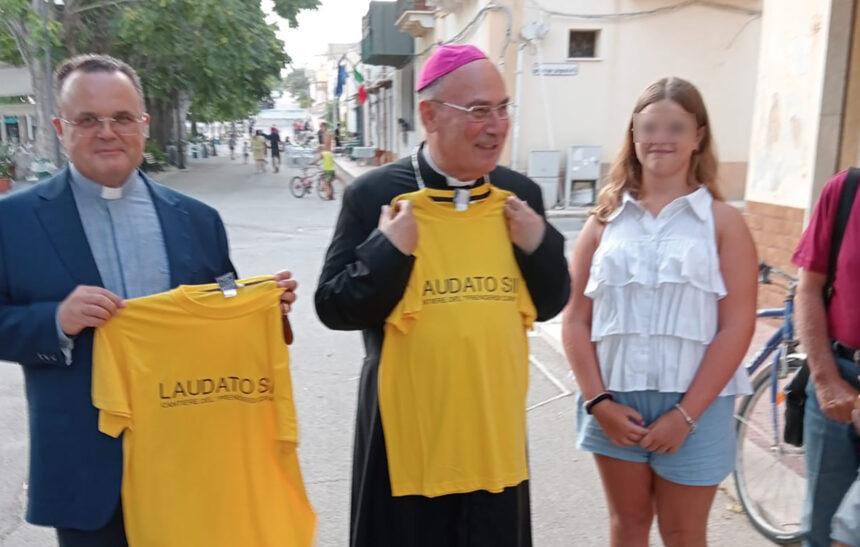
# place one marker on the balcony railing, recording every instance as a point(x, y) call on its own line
point(417, 17)
point(383, 43)
point(414, 5)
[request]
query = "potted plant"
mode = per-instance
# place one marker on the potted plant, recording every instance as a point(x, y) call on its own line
point(7, 166)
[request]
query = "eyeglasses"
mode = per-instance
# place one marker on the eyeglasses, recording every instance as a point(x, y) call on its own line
point(121, 124)
point(482, 112)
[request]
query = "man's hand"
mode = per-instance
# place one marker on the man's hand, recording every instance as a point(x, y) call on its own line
point(525, 226)
point(667, 434)
point(87, 306)
point(285, 281)
point(837, 398)
point(399, 226)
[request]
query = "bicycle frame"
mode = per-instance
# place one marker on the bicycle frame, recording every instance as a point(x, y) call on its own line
point(781, 342)
point(770, 456)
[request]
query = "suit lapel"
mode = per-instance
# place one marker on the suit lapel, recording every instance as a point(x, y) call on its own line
point(61, 221)
point(176, 231)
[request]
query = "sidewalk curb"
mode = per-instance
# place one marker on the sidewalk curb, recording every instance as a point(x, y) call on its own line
point(573, 212)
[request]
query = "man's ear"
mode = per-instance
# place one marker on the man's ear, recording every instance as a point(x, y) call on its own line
point(58, 126)
point(428, 116)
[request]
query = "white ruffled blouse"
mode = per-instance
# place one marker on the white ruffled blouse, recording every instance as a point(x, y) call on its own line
point(655, 283)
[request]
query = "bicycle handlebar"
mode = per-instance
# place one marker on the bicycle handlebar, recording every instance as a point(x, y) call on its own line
point(765, 270)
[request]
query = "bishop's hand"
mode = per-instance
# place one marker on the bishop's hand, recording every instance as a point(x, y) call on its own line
point(399, 226)
point(525, 226)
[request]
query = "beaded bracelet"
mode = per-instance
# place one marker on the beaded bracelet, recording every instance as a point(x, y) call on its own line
point(690, 421)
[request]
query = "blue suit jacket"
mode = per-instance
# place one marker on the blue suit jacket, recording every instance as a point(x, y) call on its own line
point(75, 471)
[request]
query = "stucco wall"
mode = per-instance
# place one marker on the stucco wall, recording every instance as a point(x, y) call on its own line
point(799, 100)
point(715, 49)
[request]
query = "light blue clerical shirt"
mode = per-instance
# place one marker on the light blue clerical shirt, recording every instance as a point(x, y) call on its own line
point(124, 234)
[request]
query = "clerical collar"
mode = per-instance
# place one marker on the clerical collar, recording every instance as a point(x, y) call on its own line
point(94, 189)
point(451, 181)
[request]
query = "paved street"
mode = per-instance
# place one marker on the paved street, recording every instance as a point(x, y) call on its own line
point(269, 229)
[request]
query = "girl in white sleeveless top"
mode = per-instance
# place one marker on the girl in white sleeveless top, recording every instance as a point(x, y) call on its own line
point(662, 311)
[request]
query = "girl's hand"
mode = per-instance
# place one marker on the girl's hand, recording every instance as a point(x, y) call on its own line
point(622, 424)
point(667, 434)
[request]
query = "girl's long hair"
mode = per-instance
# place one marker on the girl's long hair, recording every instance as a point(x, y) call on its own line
point(626, 171)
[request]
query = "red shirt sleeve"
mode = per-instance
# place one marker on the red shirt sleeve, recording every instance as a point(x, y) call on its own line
point(813, 251)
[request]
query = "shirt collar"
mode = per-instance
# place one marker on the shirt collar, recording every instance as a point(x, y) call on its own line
point(93, 189)
point(626, 200)
point(698, 200)
point(452, 182)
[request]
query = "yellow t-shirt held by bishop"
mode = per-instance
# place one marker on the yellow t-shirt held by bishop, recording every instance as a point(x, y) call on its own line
point(199, 386)
point(453, 373)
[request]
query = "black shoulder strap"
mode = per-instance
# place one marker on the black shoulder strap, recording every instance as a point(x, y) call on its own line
point(846, 201)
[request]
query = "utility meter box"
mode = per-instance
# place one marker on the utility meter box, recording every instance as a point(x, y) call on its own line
point(544, 169)
point(583, 168)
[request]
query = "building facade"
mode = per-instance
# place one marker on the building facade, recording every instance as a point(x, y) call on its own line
point(17, 119)
point(806, 121)
point(574, 68)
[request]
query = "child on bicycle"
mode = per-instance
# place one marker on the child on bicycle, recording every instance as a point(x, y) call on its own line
point(328, 167)
point(662, 310)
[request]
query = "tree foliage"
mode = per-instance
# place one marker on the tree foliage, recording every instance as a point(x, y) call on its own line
point(289, 9)
point(223, 54)
point(298, 85)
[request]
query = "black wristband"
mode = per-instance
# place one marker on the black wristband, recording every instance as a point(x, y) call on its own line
point(602, 397)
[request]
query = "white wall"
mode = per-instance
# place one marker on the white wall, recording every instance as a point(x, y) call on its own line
point(717, 50)
point(798, 104)
point(714, 49)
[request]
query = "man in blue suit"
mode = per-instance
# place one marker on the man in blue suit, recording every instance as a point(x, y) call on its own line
point(71, 249)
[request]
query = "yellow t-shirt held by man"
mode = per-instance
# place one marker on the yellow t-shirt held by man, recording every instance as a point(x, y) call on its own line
point(453, 373)
point(199, 386)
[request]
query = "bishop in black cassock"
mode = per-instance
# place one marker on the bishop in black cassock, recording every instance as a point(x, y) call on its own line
point(366, 272)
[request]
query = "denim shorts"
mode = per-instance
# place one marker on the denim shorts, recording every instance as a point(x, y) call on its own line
point(846, 523)
point(706, 457)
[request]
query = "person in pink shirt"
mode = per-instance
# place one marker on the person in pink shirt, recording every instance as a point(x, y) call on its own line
point(830, 337)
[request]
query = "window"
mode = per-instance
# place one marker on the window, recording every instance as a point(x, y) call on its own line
point(583, 44)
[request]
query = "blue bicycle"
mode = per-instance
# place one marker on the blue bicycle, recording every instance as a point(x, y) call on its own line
point(770, 476)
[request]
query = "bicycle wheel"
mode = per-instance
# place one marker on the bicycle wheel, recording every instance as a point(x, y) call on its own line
point(321, 185)
point(297, 186)
point(770, 475)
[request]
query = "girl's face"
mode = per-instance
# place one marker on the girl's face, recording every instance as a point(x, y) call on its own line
point(665, 137)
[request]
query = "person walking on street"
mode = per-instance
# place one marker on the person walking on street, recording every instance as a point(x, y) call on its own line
point(98, 232)
point(274, 138)
point(231, 143)
point(258, 150)
point(246, 149)
point(830, 335)
point(661, 312)
point(444, 462)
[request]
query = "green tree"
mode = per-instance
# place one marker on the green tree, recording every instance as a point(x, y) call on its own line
point(298, 85)
point(218, 57)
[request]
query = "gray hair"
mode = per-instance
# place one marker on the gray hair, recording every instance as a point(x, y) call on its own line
point(90, 63)
point(431, 91)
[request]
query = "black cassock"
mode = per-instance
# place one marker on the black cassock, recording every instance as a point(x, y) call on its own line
point(363, 278)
